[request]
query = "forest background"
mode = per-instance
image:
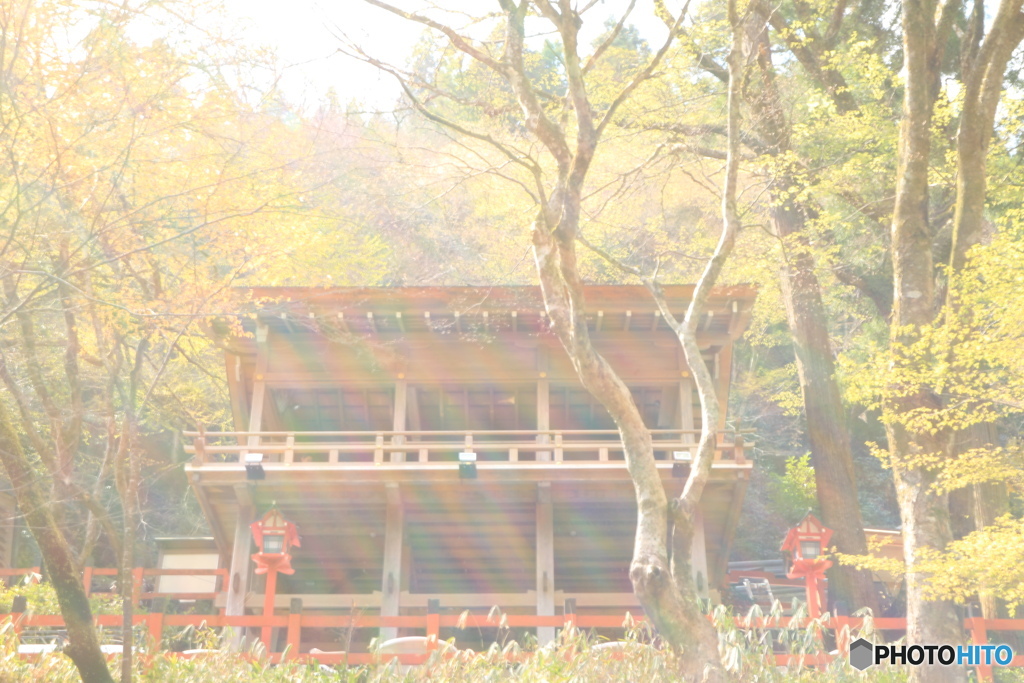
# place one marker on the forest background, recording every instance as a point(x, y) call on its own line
point(156, 159)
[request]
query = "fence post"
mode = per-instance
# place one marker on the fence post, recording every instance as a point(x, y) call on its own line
point(979, 636)
point(137, 586)
point(293, 640)
point(570, 613)
point(289, 449)
point(87, 581)
point(18, 608)
point(433, 623)
point(155, 626)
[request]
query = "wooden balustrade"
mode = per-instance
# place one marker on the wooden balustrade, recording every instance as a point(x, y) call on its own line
point(339, 447)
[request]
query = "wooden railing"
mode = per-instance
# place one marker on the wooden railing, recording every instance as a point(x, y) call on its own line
point(139, 580)
point(430, 625)
point(139, 576)
point(297, 448)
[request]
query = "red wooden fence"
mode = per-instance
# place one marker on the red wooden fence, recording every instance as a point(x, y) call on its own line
point(431, 624)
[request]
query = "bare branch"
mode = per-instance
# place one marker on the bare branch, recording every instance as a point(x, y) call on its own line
point(457, 40)
point(609, 40)
point(644, 74)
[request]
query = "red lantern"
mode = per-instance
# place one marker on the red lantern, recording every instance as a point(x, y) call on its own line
point(804, 544)
point(275, 537)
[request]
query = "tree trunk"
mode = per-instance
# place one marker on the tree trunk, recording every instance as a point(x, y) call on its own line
point(801, 293)
point(65, 575)
point(923, 510)
point(925, 525)
point(827, 431)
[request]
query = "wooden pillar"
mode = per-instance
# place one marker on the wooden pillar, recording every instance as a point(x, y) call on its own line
point(269, 593)
point(668, 415)
point(238, 577)
point(543, 402)
point(723, 375)
point(398, 423)
point(545, 561)
point(259, 387)
point(236, 392)
point(412, 402)
point(686, 420)
point(391, 583)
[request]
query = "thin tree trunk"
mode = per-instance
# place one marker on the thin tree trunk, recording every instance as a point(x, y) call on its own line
point(83, 647)
point(128, 488)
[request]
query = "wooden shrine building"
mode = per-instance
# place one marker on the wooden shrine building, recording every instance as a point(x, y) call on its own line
point(354, 405)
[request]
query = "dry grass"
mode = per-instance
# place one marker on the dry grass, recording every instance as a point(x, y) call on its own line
point(573, 657)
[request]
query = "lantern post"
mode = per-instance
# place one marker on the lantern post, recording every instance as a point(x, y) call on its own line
point(275, 537)
point(804, 545)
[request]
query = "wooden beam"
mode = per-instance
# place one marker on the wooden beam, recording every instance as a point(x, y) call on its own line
point(259, 386)
point(220, 534)
point(413, 417)
point(371, 601)
point(686, 420)
point(398, 423)
point(657, 319)
point(236, 391)
point(723, 366)
point(543, 402)
point(545, 562)
point(668, 414)
point(735, 320)
point(421, 474)
point(515, 321)
point(721, 564)
point(629, 321)
point(391, 585)
point(240, 569)
point(600, 321)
